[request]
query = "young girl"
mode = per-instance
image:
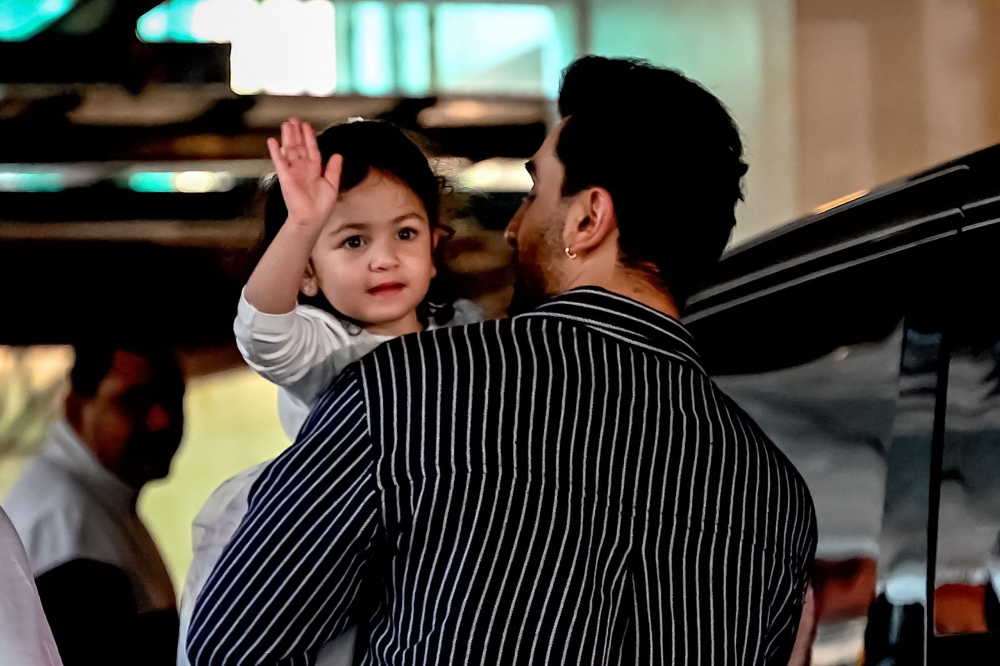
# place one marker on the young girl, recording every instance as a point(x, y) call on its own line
point(349, 265)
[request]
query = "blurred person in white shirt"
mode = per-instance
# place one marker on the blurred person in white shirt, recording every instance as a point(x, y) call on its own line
point(103, 585)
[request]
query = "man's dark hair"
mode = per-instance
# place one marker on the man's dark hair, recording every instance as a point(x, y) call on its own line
point(669, 154)
point(380, 146)
point(93, 361)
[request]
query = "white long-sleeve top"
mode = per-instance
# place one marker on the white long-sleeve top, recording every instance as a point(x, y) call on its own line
point(302, 352)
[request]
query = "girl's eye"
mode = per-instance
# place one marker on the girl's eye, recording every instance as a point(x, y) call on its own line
point(407, 234)
point(528, 198)
point(354, 242)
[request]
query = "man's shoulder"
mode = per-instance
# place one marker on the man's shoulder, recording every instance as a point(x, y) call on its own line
point(44, 492)
point(484, 334)
point(59, 519)
point(475, 336)
point(772, 460)
point(452, 354)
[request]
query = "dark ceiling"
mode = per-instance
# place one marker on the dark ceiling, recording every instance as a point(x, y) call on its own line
point(86, 91)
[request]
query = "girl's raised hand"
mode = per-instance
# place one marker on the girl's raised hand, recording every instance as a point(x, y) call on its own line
point(309, 190)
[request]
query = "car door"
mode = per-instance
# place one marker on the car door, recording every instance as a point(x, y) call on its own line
point(965, 506)
point(841, 365)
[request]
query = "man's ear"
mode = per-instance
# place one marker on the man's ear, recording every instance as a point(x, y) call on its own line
point(310, 283)
point(439, 234)
point(591, 219)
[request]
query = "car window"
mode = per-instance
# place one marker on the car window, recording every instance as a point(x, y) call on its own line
point(967, 567)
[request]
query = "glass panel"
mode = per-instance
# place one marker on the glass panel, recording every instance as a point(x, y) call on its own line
point(833, 417)
point(967, 575)
point(970, 490)
point(897, 619)
point(499, 48)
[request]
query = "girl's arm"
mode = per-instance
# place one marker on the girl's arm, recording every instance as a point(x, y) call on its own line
point(310, 193)
point(294, 350)
point(300, 351)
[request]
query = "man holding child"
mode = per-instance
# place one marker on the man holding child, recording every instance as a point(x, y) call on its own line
point(565, 486)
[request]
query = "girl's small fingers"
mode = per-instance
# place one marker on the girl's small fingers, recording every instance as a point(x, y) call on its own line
point(275, 149)
point(299, 134)
point(333, 170)
point(280, 162)
point(287, 136)
point(312, 148)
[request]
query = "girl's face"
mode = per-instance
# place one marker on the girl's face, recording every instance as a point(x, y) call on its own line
point(374, 259)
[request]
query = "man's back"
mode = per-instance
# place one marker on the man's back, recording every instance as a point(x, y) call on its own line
point(569, 486)
point(564, 487)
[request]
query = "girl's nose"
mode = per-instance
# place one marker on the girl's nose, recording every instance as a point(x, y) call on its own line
point(383, 257)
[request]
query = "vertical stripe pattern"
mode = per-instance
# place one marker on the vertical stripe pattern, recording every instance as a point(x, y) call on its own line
point(566, 487)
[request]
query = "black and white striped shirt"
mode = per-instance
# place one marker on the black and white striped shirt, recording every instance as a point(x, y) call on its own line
point(567, 486)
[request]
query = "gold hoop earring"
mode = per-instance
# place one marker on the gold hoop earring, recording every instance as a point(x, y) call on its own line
point(570, 254)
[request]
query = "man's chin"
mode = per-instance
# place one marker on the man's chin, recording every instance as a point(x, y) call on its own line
point(530, 284)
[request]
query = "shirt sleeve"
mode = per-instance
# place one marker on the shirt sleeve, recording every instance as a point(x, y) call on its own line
point(289, 580)
point(791, 598)
point(296, 351)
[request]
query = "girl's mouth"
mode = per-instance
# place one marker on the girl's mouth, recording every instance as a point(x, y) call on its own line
point(387, 289)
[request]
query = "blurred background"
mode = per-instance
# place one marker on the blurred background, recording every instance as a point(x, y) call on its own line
point(132, 143)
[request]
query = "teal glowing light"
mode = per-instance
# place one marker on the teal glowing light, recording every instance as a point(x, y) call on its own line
point(170, 22)
point(188, 182)
point(37, 181)
point(154, 25)
point(22, 19)
point(152, 181)
point(413, 48)
point(372, 56)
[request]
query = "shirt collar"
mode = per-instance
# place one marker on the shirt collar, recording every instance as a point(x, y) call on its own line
point(67, 450)
point(620, 317)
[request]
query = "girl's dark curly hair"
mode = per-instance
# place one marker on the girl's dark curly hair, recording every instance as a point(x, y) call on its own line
point(367, 145)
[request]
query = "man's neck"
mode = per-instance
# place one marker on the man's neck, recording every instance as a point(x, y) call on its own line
point(633, 285)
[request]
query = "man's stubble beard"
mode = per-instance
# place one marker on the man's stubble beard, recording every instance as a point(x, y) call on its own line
point(529, 288)
point(532, 287)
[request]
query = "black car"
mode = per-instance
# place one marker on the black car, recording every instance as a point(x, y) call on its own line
point(865, 340)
